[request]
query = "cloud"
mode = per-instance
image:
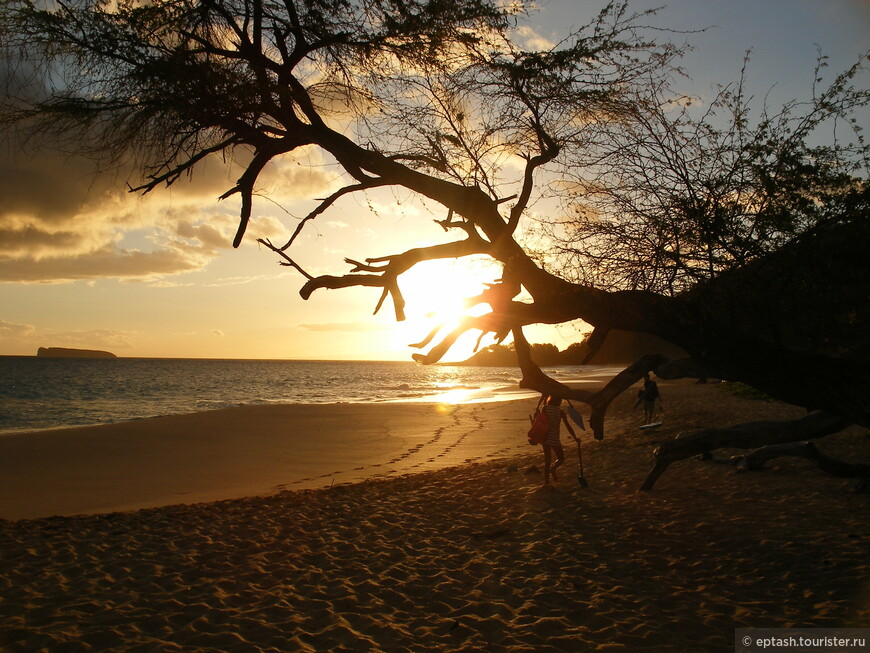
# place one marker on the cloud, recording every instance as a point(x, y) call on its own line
point(342, 326)
point(35, 241)
point(531, 40)
point(41, 246)
point(23, 337)
point(208, 235)
point(108, 262)
point(237, 281)
point(266, 227)
point(297, 177)
point(66, 217)
point(89, 339)
point(217, 332)
point(15, 331)
point(177, 239)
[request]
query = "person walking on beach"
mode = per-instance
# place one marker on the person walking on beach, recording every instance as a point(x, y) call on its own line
point(648, 395)
point(553, 443)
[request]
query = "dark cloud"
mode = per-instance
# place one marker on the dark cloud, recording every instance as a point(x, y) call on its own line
point(32, 254)
point(51, 187)
point(31, 240)
point(209, 235)
point(63, 216)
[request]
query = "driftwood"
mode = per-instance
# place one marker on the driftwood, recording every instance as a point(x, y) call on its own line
point(755, 460)
point(752, 435)
point(809, 451)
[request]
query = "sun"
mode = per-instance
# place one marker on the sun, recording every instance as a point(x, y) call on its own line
point(435, 292)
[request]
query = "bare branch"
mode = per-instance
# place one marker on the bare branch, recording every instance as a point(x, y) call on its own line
point(173, 174)
point(347, 281)
point(466, 225)
point(329, 201)
point(245, 187)
point(489, 323)
point(425, 341)
point(617, 385)
point(594, 343)
point(287, 260)
point(367, 267)
point(549, 151)
point(535, 379)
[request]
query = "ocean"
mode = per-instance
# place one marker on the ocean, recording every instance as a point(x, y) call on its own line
point(46, 393)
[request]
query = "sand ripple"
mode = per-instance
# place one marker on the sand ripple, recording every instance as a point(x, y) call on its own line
point(475, 558)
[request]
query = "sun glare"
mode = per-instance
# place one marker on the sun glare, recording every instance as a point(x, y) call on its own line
point(444, 309)
point(435, 292)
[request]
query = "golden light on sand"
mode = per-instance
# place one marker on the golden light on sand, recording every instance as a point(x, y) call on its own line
point(453, 396)
point(445, 409)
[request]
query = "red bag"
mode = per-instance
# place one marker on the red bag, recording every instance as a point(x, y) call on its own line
point(540, 426)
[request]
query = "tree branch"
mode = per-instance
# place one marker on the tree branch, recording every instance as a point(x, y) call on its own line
point(535, 379)
point(489, 323)
point(329, 201)
point(617, 385)
point(549, 151)
point(386, 276)
point(594, 343)
point(245, 187)
point(171, 175)
point(287, 260)
point(743, 436)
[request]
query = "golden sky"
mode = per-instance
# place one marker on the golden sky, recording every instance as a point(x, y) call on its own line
point(85, 264)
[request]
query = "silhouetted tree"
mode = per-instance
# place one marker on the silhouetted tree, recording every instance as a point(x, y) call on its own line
point(706, 230)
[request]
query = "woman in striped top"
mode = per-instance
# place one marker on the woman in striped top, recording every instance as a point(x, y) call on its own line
point(553, 443)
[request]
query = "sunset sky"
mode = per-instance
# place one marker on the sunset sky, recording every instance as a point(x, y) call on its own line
point(85, 264)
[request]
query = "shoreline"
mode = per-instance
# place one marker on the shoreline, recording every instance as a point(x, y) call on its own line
point(518, 395)
point(74, 392)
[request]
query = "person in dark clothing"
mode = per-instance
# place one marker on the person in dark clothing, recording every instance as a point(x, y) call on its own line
point(648, 395)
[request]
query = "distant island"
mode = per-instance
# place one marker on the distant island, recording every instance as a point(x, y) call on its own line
point(620, 347)
point(63, 352)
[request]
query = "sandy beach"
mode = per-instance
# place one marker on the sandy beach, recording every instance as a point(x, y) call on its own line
point(424, 529)
point(244, 451)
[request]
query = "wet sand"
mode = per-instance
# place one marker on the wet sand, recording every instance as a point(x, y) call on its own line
point(473, 557)
point(244, 451)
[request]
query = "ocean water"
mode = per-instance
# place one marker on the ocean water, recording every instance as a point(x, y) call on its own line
point(44, 393)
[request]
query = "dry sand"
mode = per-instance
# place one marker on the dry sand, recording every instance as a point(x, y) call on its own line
point(469, 558)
